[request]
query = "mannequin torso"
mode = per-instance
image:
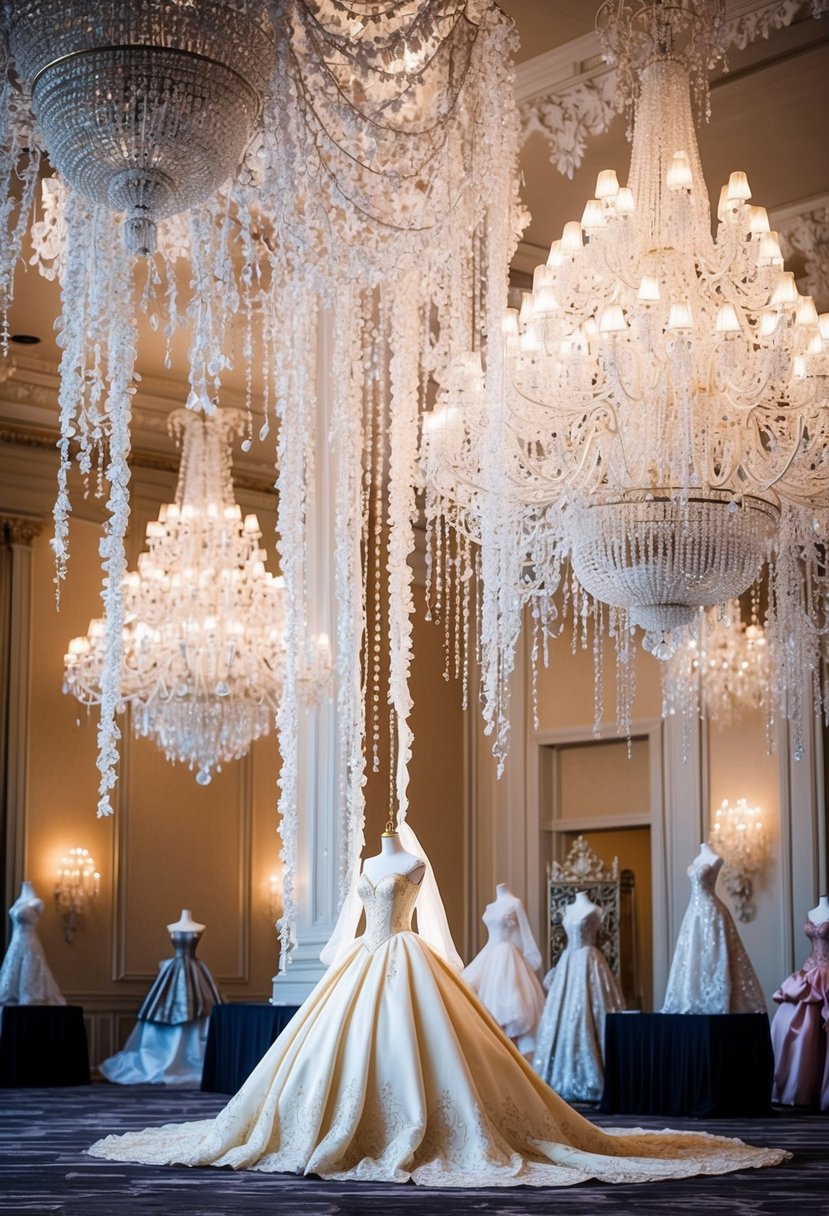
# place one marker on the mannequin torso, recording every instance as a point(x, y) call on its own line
point(393, 859)
point(820, 914)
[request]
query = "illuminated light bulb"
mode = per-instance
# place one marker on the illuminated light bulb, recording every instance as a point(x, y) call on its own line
point(624, 201)
point(593, 215)
point(758, 221)
point(509, 322)
point(680, 317)
point(571, 238)
point(727, 322)
point(612, 319)
point(649, 289)
point(738, 188)
point(769, 322)
point(554, 258)
point(545, 302)
point(679, 176)
point(769, 253)
point(543, 276)
point(806, 313)
point(785, 290)
point(526, 312)
point(607, 184)
point(251, 525)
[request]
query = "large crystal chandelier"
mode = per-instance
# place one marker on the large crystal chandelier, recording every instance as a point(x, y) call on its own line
point(722, 668)
point(664, 421)
point(145, 108)
point(350, 160)
point(203, 640)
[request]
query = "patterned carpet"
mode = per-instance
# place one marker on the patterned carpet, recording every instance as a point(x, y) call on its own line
point(43, 1170)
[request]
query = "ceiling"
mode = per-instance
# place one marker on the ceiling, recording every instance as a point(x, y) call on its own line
point(768, 118)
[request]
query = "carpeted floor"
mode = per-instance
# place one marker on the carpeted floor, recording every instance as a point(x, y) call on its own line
point(43, 1169)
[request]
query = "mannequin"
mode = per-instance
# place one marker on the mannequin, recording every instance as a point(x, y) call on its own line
point(166, 1046)
point(800, 1029)
point(711, 971)
point(25, 977)
point(503, 974)
point(392, 1071)
point(582, 991)
point(393, 859)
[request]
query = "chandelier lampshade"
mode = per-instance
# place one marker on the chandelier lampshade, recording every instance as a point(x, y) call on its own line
point(144, 107)
point(203, 640)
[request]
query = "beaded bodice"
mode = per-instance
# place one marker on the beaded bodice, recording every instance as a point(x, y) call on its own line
point(703, 876)
point(818, 935)
point(388, 906)
point(25, 914)
point(581, 928)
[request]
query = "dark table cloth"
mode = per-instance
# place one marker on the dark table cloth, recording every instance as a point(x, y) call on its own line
point(43, 1045)
point(700, 1065)
point(238, 1036)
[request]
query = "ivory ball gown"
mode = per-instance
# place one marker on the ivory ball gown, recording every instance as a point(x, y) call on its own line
point(392, 1070)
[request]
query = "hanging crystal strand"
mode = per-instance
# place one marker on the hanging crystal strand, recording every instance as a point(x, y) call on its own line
point(348, 438)
point(19, 163)
point(380, 349)
point(467, 618)
point(294, 394)
point(121, 338)
point(402, 514)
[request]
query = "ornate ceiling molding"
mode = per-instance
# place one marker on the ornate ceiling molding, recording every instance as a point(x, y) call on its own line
point(804, 241)
point(569, 94)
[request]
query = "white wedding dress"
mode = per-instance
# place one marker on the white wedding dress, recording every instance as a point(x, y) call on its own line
point(503, 973)
point(569, 1052)
point(392, 1070)
point(710, 972)
point(25, 977)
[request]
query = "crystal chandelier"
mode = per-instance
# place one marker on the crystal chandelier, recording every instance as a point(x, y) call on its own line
point(203, 639)
point(147, 113)
point(722, 669)
point(738, 834)
point(663, 425)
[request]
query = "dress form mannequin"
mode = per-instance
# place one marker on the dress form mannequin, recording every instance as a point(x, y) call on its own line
point(166, 1046)
point(393, 859)
point(503, 974)
point(25, 977)
point(711, 971)
point(582, 990)
point(800, 1029)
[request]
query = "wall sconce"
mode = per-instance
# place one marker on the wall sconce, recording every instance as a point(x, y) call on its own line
point(274, 896)
point(738, 834)
point(77, 882)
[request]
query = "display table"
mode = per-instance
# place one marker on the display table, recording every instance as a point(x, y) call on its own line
point(238, 1036)
point(687, 1064)
point(43, 1045)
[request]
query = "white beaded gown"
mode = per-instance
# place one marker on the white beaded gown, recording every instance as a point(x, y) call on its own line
point(569, 1051)
point(392, 1070)
point(25, 977)
point(503, 973)
point(710, 972)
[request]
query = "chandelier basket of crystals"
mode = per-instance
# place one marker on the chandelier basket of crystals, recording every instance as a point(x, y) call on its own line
point(664, 423)
point(203, 650)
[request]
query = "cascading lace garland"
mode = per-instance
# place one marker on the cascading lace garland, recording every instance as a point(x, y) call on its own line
point(353, 156)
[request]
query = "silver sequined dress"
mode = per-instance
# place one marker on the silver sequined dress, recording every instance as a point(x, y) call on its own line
point(710, 972)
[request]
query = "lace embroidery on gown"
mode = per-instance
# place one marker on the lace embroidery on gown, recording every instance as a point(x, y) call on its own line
point(710, 972)
point(800, 1030)
point(25, 977)
point(392, 1070)
point(503, 973)
point(569, 1052)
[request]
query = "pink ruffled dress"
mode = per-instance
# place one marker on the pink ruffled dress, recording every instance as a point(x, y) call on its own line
point(800, 1030)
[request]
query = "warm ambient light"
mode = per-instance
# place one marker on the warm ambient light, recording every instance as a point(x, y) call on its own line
point(738, 834)
point(78, 882)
